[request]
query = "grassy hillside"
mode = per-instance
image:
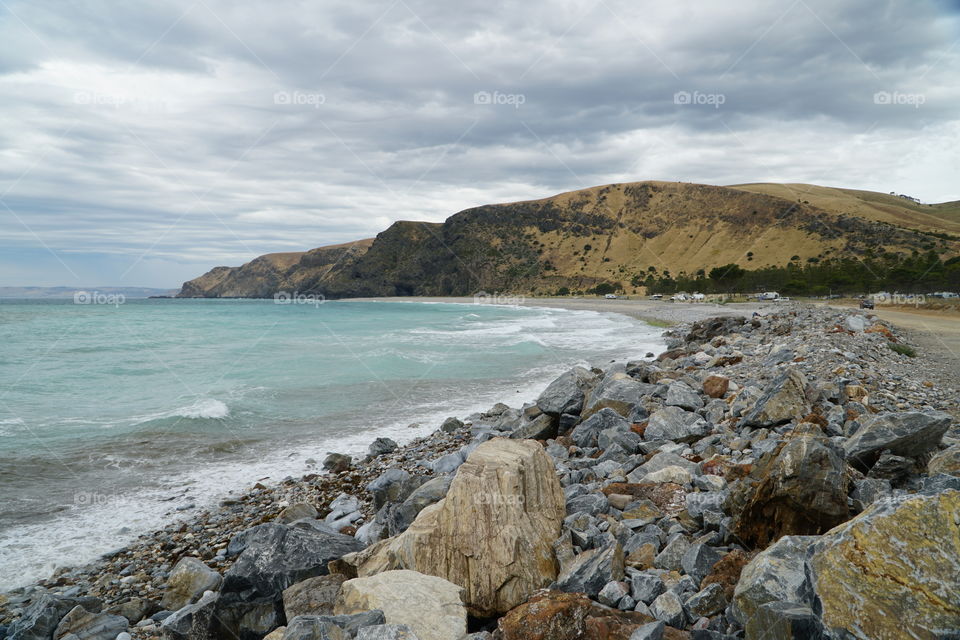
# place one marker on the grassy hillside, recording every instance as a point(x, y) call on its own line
point(614, 233)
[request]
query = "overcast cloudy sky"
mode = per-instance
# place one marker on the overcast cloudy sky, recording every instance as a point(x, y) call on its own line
point(142, 143)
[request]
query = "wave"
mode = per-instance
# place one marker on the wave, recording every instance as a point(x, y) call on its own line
point(204, 408)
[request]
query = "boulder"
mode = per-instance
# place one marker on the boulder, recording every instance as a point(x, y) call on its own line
point(313, 628)
point(591, 570)
point(673, 423)
point(393, 485)
point(387, 632)
point(337, 462)
point(586, 433)
point(679, 394)
point(566, 393)
point(778, 573)
point(784, 400)
point(81, 624)
point(271, 558)
point(669, 609)
point(553, 615)
point(707, 602)
point(41, 617)
point(716, 386)
point(892, 571)
point(909, 434)
point(292, 513)
point(619, 392)
point(543, 427)
point(312, 597)
point(800, 489)
point(649, 631)
point(135, 609)
point(188, 581)
point(451, 425)
point(698, 560)
point(784, 621)
point(947, 461)
point(399, 517)
point(381, 446)
point(492, 534)
point(429, 605)
point(193, 622)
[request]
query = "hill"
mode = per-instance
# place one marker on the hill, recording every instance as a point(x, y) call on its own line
point(613, 233)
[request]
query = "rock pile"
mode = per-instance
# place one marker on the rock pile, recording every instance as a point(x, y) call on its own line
point(789, 476)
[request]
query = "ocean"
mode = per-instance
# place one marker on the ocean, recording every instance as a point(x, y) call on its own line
point(118, 416)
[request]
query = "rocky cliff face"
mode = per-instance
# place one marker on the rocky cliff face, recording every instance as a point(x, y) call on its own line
point(577, 239)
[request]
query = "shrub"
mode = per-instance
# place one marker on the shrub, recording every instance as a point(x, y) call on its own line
point(903, 349)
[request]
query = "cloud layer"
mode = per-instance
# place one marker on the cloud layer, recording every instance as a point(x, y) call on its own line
point(142, 145)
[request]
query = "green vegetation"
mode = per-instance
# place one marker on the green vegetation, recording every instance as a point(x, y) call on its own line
point(916, 273)
point(903, 349)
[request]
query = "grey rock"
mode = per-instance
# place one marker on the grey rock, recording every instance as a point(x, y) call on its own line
point(613, 592)
point(188, 581)
point(84, 625)
point(587, 432)
point(393, 485)
point(699, 560)
point(782, 401)
point(778, 573)
point(669, 609)
point(382, 446)
point(671, 556)
point(387, 632)
point(313, 628)
point(592, 503)
point(398, 517)
point(892, 468)
point(675, 424)
point(341, 506)
point(543, 427)
point(681, 395)
point(620, 393)
point(272, 558)
point(786, 620)
point(620, 436)
point(868, 491)
point(354, 622)
point(590, 571)
point(312, 597)
point(661, 461)
point(855, 323)
point(566, 393)
point(649, 631)
point(41, 617)
point(707, 602)
point(337, 462)
point(909, 434)
point(645, 586)
point(451, 425)
point(193, 622)
point(447, 463)
point(296, 511)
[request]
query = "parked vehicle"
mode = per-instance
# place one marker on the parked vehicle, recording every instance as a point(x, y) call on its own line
point(768, 296)
point(657, 296)
point(866, 303)
point(611, 296)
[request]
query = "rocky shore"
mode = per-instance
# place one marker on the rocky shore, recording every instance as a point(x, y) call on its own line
point(794, 475)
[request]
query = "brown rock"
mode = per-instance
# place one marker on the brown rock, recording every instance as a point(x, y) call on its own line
point(493, 534)
point(726, 572)
point(667, 496)
point(801, 489)
point(642, 557)
point(313, 596)
point(716, 386)
point(555, 615)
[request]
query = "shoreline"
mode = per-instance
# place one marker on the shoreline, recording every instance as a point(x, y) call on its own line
point(184, 505)
point(139, 570)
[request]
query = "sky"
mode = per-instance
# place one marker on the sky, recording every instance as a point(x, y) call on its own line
point(143, 143)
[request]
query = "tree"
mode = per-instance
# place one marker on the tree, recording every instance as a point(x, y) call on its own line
point(563, 291)
point(727, 275)
point(604, 288)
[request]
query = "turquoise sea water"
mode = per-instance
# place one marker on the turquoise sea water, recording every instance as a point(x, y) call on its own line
point(113, 416)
